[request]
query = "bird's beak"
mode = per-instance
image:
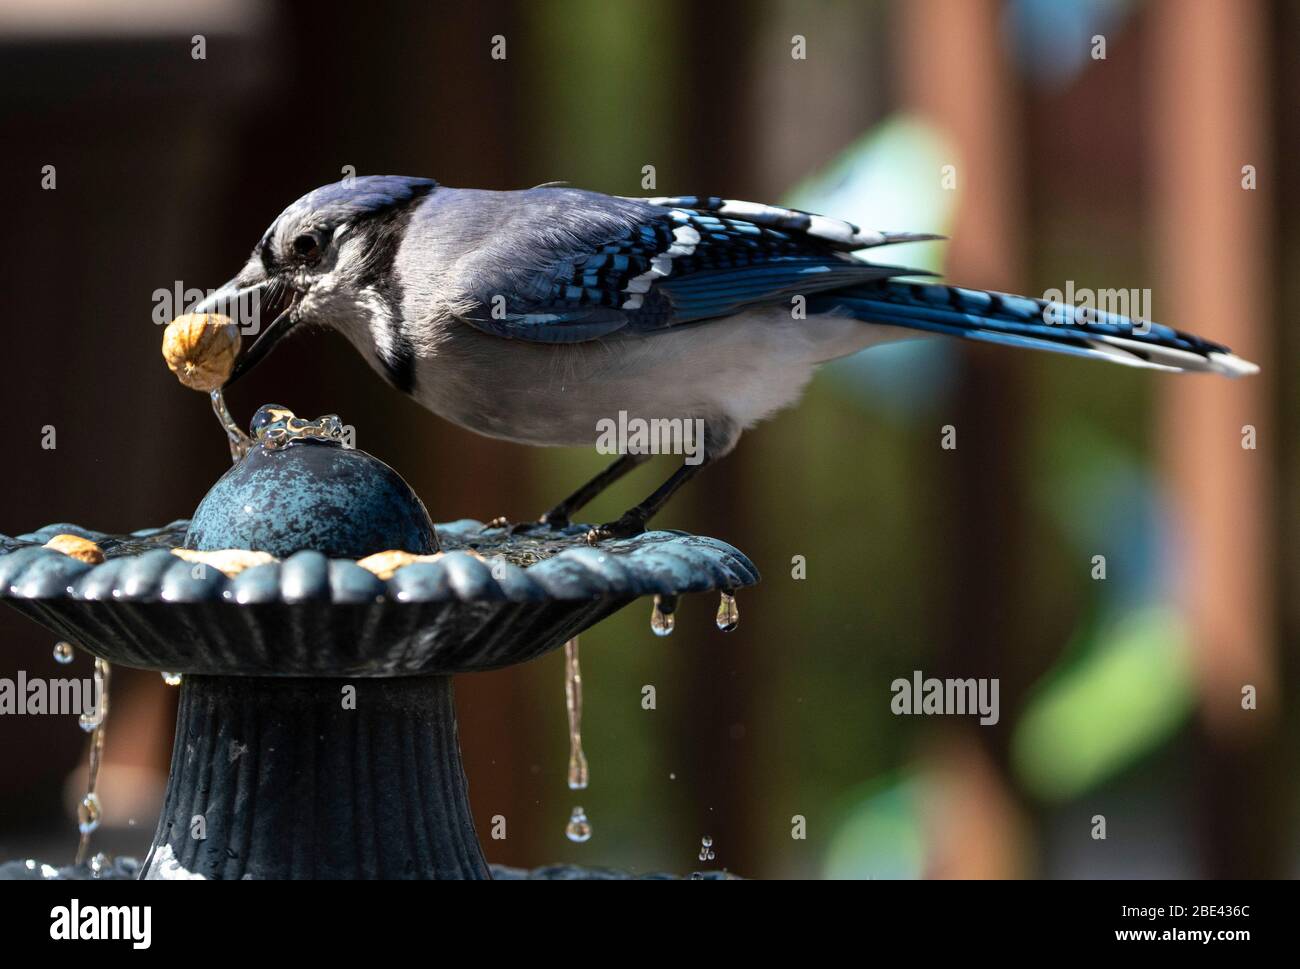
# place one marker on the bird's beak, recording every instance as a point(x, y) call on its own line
point(248, 304)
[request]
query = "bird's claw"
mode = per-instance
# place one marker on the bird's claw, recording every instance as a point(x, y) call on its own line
point(626, 527)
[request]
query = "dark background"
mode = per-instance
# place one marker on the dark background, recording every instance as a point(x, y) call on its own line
point(1119, 698)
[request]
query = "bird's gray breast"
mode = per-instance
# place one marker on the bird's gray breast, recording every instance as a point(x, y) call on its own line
point(731, 373)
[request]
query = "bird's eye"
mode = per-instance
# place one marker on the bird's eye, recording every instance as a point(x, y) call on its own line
point(307, 247)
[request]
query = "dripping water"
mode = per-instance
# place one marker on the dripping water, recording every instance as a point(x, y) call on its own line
point(88, 812)
point(662, 618)
point(573, 703)
point(728, 617)
point(92, 720)
point(578, 829)
point(706, 849)
point(63, 653)
point(172, 679)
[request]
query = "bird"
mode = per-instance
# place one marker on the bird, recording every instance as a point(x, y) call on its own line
point(535, 315)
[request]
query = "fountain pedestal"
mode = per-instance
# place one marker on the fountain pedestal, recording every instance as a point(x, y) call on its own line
point(316, 778)
point(316, 736)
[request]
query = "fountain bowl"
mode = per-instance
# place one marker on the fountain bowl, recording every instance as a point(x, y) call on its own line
point(491, 600)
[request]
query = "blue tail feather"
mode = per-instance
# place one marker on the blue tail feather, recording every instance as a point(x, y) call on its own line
point(1033, 323)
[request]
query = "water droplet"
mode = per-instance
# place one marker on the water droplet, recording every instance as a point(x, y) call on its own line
point(63, 652)
point(98, 864)
point(172, 679)
point(728, 613)
point(706, 849)
point(88, 813)
point(662, 619)
point(578, 829)
point(90, 721)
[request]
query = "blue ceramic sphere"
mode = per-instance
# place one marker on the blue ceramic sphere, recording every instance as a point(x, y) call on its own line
point(312, 494)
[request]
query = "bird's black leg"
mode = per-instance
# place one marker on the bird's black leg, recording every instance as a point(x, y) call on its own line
point(634, 519)
point(561, 514)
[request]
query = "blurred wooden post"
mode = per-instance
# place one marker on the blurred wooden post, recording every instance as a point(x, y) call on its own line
point(954, 71)
point(724, 678)
point(1206, 120)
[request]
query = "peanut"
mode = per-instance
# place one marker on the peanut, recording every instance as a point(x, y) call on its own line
point(200, 348)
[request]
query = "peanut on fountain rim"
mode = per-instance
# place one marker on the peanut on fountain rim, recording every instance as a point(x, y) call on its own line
point(385, 564)
point(74, 546)
point(231, 561)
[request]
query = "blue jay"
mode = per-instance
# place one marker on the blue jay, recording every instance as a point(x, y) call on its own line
point(535, 315)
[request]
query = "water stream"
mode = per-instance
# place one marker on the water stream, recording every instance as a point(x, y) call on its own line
point(240, 443)
point(579, 828)
point(88, 812)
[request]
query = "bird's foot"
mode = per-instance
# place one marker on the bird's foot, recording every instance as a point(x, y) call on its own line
point(556, 521)
point(550, 521)
point(626, 527)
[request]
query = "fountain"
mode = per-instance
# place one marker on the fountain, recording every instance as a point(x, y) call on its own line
point(315, 616)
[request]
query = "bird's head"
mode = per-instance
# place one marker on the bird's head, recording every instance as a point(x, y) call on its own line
point(326, 260)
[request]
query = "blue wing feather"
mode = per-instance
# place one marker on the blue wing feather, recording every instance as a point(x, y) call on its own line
point(675, 266)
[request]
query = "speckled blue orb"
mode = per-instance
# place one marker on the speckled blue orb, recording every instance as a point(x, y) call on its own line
point(314, 495)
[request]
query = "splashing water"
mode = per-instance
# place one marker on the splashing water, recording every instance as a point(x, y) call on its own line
point(706, 849)
point(63, 653)
point(89, 811)
point(662, 619)
point(578, 829)
point(573, 702)
point(240, 443)
point(728, 617)
point(172, 679)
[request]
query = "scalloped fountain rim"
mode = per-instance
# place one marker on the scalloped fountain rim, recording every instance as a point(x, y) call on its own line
point(139, 568)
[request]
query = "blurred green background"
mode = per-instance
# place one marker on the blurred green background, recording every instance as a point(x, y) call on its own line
point(994, 122)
